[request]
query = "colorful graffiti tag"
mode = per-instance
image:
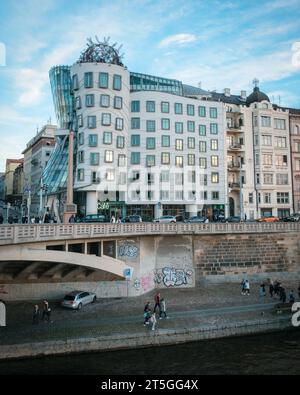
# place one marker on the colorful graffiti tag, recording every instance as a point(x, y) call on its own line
point(172, 277)
point(128, 250)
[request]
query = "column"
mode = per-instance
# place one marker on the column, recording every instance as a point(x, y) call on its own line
point(91, 202)
point(192, 209)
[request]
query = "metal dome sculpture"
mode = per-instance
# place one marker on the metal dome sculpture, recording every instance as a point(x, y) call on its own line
point(101, 52)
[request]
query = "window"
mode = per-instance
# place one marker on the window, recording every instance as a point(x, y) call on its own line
point(267, 197)
point(178, 195)
point(192, 195)
point(213, 112)
point(107, 138)
point(214, 145)
point(165, 176)
point(202, 130)
point(150, 160)
point(91, 121)
point(80, 121)
point(81, 138)
point(296, 129)
point(122, 160)
point(135, 123)
point(165, 107)
point(279, 124)
point(268, 179)
point(88, 80)
point(75, 84)
point(80, 174)
point(297, 164)
point(203, 179)
point(106, 119)
point(94, 158)
point(104, 100)
point(282, 179)
point(165, 158)
point(267, 159)
point(89, 100)
point(179, 161)
point(165, 124)
point(118, 102)
point(190, 109)
point(179, 179)
point(103, 80)
point(119, 124)
point(250, 198)
point(202, 111)
point(95, 179)
point(191, 126)
point(202, 146)
point(215, 195)
point(150, 106)
point(280, 142)
point(202, 163)
point(281, 160)
point(80, 156)
point(192, 177)
point(214, 178)
point(110, 175)
point(203, 195)
point(256, 139)
point(297, 146)
point(109, 156)
point(135, 140)
point(214, 161)
point(191, 160)
point(150, 142)
point(135, 106)
point(191, 142)
point(165, 141)
point(257, 178)
point(282, 197)
point(78, 102)
point(179, 145)
point(266, 140)
point(266, 122)
point(213, 128)
point(135, 158)
point(117, 82)
point(93, 140)
point(179, 127)
point(150, 126)
point(178, 108)
point(135, 175)
point(120, 141)
point(164, 195)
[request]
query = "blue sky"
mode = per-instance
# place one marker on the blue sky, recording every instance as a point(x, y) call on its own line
point(222, 43)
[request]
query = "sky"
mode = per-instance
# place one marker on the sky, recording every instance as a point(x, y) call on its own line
point(220, 43)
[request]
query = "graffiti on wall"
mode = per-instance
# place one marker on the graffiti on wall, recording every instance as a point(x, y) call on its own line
point(143, 283)
point(128, 250)
point(172, 277)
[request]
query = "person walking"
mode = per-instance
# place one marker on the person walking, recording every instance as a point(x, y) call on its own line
point(163, 308)
point(262, 290)
point(1, 219)
point(153, 320)
point(247, 287)
point(46, 311)
point(243, 287)
point(72, 219)
point(157, 302)
point(147, 313)
point(10, 219)
point(282, 295)
point(271, 288)
point(36, 315)
point(113, 219)
point(292, 297)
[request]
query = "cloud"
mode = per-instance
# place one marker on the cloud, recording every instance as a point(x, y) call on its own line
point(177, 39)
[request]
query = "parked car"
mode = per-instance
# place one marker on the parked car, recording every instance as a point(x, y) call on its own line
point(133, 218)
point(196, 219)
point(292, 218)
point(165, 219)
point(268, 219)
point(77, 299)
point(95, 218)
point(233, 218)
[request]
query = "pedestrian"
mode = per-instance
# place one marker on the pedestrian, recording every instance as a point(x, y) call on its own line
point(147, 313)
point(292, 297)
point(157, 302)
point(36, 315)
point(163, 309)
point(113, 219)
point(271, 288)
point(262, 290)
point(277, 287)
point(16, 219)
point(153, 320)
point(46, 311)
point(1, 219)
point(282, 295)
point(243, 287)
point(247, 287)
point(37, 219)
point(10, 219)
point(72, 219)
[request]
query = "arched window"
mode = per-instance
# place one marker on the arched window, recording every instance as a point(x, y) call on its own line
point(296, 129)
point(264, 105)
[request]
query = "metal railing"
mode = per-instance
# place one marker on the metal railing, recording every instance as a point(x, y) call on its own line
point(15, 234)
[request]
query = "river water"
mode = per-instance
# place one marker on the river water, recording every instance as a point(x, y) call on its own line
point(272, 353)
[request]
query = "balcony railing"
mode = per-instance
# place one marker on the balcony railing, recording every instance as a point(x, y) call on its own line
point(234, 185)
point(234, 166)
point(235, 146)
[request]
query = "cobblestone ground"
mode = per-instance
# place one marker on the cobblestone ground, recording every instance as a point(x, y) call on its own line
point(186, 308)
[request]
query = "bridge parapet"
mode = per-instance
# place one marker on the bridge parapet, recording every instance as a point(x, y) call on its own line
point(30, 233)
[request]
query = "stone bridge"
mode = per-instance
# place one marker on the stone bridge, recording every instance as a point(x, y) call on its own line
point(55, 257)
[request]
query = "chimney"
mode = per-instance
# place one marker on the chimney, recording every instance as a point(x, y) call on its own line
point(227, 92)
point(243, 95)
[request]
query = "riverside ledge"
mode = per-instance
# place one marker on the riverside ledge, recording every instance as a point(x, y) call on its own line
point(160, 337)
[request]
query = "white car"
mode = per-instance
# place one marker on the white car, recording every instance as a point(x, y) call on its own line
point(77, 299)
point(165, 219)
